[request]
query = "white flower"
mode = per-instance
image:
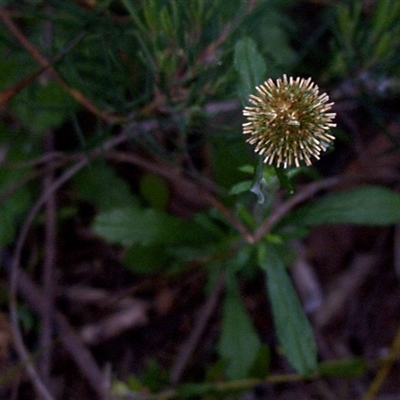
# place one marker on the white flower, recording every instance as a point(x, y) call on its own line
point(289, 122)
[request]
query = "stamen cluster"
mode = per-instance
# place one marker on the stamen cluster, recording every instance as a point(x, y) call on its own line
point(289, 122)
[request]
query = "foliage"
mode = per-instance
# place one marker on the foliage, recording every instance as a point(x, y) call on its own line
point(369, 205)
point(154, 67)
point(239, 343)
point(293, 329)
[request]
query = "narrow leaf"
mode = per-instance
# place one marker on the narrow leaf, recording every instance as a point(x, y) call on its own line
point(241, 187)
point(250, 66)
point(350, 368)
point(369, 205)
point(239, 343)
point(284, 179)
point(292, 327)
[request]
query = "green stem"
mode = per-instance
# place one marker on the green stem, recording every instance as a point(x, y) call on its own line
point(284, 179)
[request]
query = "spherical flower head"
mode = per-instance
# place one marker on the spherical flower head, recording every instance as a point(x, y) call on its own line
point(289, 122)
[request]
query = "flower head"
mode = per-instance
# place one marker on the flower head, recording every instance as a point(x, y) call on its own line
point(289, 122)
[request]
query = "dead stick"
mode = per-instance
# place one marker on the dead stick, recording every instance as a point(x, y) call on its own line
point(74, 93)
point(190, 345)
point(50, 243)
point(70, 340)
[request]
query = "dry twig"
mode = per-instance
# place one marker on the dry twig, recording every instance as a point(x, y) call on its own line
point(189, 346)
point(75, 93)
point(48, 271)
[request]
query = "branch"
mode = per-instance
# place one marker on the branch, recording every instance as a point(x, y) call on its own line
point(70, 340)
point(49, 259)
point(15, 277)
point(189, 346)
point(306, 193)
point(42, 60)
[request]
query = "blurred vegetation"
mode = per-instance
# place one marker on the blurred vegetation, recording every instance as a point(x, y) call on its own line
point(167, 79)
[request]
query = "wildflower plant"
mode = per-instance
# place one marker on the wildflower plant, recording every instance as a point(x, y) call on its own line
point(164, 72)
point(289, 122)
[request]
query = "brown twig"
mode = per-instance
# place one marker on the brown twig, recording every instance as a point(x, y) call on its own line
point(74, 93)
point(385, 369)
point(19, 184)
point(15, 276)
point(56, 160)
point(7, 94)
point(70, 340)
point(305, 194)
point(48, 269)
point(235, 222)
point(130, 317)
point(189, 346)
point(283, 209)
point(193, 191)
point(209, 52)
point(344, 288)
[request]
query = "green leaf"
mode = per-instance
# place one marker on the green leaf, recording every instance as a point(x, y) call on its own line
point(215, 372)
point(13, 206)
point(42, 107)
point(229, 152)
point(145, 259)
point(155, 190)
point(250, 66)
point(284, 179)
point(369, 205)
point(194, 390)
point(239, 343)
point(129, 225)
point(261, 365)
point(101, 186)
point(241, 187)
point(350, 368)
point(276, 44)
point(154, 376)
point(9, 67)
point(292, 327)
point(383, 15)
